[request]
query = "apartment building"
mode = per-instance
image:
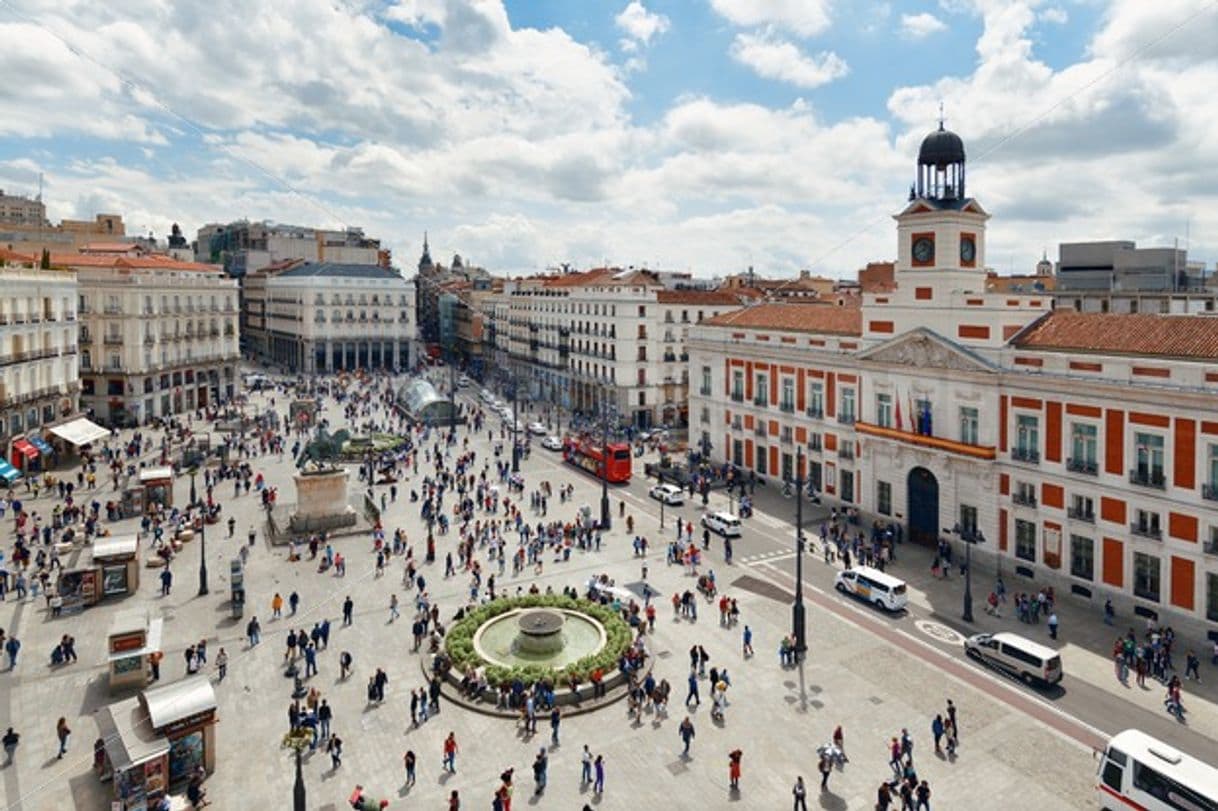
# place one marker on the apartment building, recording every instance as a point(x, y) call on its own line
point(1077, 449)
point(39, 380)
point(158, 336)
point(326, 317)
point(604, 336)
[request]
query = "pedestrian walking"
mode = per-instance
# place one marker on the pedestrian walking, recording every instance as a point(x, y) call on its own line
point(598, 785)
point(324, 714)
point(408, 760)
point(222, 663)
point(800, 793)
point(555, 720)
point(334, 746)
point(693, 689)
point(936, 729)
point(277, 606)
point(839, 742)
point(686, 731)
point(951, 715)
point(454, 801)
point(62, 732)
point(1192, 667)
point(450, 753)
point(166, 581)
point(922, 793)
point(585, 760)
point(393, 607)
point(348, 610)
point(733, 768)
point(747, 647)
point(825, 767)
point(293, 603)
point(541, 765)
point(154, 661)
point(10, 741)
point(253, 630)
point(1053, 625)
point(344, 664)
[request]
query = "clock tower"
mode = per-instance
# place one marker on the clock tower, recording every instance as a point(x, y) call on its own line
point(941, 232)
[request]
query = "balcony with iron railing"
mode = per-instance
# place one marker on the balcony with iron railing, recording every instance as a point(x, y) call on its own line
point(1023, 498)
point(786, 406)
point(814, 412)
point(846, 419)
point(737, 424)
point(1087, 466)
point(113, 309)
point(815, 444)
point(1209, 492)
point(1210, 547)
point(1080, 514)
point(1146, 530)
point(759, 429)
point(113, 340)
point(704, 391)
point(1148, 477)
point(787, 437)
point(1025, 454)
point(737, 397)
point(761, 400)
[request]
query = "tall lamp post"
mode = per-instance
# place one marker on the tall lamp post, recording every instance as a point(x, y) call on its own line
point(194, 502)
point(515, 423)
point(606, 522)
point(969, 536)
point(798, 614)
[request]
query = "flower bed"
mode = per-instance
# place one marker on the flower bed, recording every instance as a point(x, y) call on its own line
point(459, 642)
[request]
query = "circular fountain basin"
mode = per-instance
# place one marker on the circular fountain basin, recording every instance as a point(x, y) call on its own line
point(539, 636)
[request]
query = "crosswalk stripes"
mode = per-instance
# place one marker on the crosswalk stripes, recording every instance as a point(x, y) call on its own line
point(767, 556)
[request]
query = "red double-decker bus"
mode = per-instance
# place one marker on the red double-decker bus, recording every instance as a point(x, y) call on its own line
point(589, 456)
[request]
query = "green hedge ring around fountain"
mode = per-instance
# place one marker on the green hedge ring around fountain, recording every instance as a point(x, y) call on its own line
point(459, 642)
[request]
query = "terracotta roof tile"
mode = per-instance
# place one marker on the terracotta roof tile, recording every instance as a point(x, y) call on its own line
point(16, 258)
point(1169, 336)
point(706, 297)
point(158, 262)
point(788, 316)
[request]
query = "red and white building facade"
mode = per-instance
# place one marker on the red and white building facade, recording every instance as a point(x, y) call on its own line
point(1080, 448)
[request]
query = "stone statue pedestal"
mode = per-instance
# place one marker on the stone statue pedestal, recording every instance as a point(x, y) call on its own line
point(321, 501)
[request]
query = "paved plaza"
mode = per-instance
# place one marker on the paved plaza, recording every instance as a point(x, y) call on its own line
point(853, 676)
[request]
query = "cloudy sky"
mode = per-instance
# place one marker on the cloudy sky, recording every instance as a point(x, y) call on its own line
point(702, 135)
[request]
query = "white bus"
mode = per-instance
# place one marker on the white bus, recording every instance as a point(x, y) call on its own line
point(1138, 771)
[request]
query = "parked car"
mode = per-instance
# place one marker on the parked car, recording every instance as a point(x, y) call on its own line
point(552, 443)
point(668, 493)
point(537, 428)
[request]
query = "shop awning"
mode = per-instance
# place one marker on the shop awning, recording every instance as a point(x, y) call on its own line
point(25, 449)
point(42, 445)
point(80, 431)
point(128, 735)
point(179, 700)
point(8, 472)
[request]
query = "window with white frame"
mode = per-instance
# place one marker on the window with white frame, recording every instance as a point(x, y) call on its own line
point(968, 425)
point(816, 400)
point(883, 410)
point(1025, 540)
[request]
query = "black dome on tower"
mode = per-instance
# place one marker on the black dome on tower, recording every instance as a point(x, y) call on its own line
point(940, 148)
point(940, 168)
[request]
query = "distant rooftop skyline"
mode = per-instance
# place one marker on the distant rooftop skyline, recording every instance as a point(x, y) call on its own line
point(686, 135)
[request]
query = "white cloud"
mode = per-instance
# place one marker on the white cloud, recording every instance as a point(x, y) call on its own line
point(803, 17)
point(772, 57)
point(640, 24)
point(1055, 15)
point(918, 26)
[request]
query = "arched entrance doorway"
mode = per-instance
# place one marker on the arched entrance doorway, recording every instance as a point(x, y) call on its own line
point(923, 506)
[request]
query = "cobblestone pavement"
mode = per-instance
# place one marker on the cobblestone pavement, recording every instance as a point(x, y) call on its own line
point(776, 716)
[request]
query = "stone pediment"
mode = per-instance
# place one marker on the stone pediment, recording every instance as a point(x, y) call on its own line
point(924, 349)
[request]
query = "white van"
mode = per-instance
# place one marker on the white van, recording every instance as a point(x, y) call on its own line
point(1030, 661)
point(873, 586)
point(723, 523)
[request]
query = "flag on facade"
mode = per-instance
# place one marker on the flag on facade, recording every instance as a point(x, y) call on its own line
point(900, 422)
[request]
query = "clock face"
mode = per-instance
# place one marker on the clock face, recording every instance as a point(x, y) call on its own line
point(923, 251)
point(968, 250)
